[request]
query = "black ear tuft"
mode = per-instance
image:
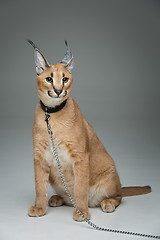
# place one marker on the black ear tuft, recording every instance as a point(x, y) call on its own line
point(66, 43)
point(32, 43)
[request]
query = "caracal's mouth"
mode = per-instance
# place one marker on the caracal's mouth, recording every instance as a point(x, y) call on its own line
point(50, 95)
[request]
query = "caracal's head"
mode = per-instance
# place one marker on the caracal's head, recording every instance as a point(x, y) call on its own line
point(54, 82)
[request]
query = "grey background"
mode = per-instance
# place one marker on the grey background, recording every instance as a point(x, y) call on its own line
point(116, 45)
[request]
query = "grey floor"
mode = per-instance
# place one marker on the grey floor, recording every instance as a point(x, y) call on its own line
point(135, 149)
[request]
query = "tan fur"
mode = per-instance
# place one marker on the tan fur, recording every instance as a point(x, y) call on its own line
point(89, 170)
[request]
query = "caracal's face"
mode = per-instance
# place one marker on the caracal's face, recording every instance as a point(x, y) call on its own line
point(54, 84)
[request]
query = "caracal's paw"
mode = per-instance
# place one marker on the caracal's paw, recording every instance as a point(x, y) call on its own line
point(34, 211)
point(108, 205)
point(55, 201)
point(78, 218)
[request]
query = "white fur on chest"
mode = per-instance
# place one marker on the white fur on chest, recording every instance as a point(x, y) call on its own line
point(67, 169)
point(62, 155)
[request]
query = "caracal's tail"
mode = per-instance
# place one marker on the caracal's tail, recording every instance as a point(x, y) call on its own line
point(133, 191)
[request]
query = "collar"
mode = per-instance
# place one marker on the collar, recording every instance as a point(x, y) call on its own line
point(54, 109)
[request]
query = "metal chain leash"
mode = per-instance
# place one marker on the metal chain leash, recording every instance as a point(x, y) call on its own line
point(54, 152)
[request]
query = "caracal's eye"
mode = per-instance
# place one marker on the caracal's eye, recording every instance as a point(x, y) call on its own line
point(65, 79)
point(49, 79)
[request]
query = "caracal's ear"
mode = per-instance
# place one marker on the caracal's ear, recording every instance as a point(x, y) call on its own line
point(40, 61)
point(68, 58)
point(70, 65)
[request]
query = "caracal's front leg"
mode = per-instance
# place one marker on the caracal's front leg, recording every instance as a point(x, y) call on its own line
point(81, 171)
point(41, 182)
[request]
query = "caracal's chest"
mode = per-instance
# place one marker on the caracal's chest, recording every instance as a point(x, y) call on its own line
point(67, 169)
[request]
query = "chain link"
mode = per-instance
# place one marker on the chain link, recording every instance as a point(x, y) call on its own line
point(54, 152)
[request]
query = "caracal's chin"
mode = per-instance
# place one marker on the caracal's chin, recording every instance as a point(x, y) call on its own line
point(52, 102)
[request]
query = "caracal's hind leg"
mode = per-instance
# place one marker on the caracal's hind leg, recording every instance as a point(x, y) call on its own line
point(108, 205)
point(55, 201)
